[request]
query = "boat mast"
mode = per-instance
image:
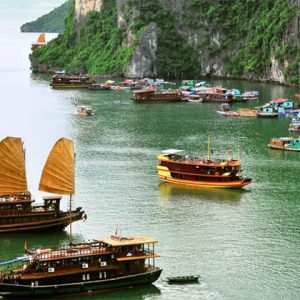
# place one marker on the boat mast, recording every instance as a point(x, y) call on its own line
point(70, 220)
point(208, 147)
point(239, 157)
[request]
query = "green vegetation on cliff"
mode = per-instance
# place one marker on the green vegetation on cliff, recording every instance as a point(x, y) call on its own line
point(243, 36)
point(51, 22)
point(94, 48)
point(251, 34)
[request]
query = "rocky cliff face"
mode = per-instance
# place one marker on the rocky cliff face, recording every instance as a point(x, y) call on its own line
point(82, 7)
point(202, 26)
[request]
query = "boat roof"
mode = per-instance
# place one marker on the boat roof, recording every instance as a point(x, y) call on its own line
point(286, 138)
point(172, 152)
point(118, 241)
point(280, 100)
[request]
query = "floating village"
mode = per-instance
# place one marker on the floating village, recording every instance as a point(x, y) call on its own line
point(119, 261)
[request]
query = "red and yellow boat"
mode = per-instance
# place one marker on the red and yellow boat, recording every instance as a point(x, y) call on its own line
point(177, 167)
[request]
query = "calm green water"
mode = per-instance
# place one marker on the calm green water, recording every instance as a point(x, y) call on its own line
point(244, 244)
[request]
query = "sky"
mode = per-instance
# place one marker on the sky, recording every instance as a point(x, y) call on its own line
point(13, 14)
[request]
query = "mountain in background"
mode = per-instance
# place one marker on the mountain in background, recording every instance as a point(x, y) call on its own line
point(253, 39)
point(51, 22)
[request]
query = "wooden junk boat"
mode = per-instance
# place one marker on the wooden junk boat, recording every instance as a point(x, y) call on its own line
point(41, 41)
point(150, 94)
point(17, 214)
point(64, 81)
point(109, 263)
point(176, 167)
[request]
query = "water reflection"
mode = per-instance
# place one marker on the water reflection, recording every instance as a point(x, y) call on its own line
point(136, 293)
point(171, 191)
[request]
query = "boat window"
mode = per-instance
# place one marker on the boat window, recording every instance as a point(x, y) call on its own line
point(83, 277)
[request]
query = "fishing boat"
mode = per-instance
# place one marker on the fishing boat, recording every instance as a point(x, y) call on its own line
point(247, 112)
point(295, 125)
point(85, 110)
point(267, 111)
point(285, 143)
point(41, 41)
point(250, 95)
point(64, 81)
point(225, 111)
point(17, 212)
point(100, 86)
point(215, 94)
point(194, 98)
point(152, 95)
point(183, 279)
point(102, 264)
point(177, 167)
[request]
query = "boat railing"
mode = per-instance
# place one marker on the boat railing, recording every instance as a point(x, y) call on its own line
point(69, 253)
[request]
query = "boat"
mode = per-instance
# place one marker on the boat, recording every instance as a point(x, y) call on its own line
point(285, 143)
point(183, 279)
point(225, 111)
point(17, 212)
point(250, 95)
point(63, 80)
point(100, 86)
point(85, 110)
point(247, 112)
point(102, 264)
point(177, 167)
point(41, 41)
point(215, 94)
point(267, 111)
point(192, 98)
point(284, 106)
point(153, 95)
point(295, 125)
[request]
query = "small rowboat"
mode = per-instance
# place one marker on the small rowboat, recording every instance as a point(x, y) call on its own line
point(183, 279)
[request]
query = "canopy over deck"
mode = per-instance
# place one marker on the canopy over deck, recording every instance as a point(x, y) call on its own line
point(116, 241)
point(172, 152)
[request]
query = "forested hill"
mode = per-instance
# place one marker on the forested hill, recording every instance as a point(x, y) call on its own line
point(250, 39)
point(51, 22)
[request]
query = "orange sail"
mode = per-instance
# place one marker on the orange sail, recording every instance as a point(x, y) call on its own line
point(12, 167)
point(58, 172)
point(41, 38)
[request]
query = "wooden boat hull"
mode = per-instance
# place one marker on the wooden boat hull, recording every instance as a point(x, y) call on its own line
point(175, 99)
point(70, 86)
point(283, 148)
point(29, 292)
point(267, 115)
point(213, 184)
point(36, 225)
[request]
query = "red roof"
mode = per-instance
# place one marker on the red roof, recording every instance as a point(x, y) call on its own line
point(280, 100)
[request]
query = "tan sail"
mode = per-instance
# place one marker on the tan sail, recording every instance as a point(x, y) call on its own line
point(42, 38)
point(12, 167)
point(58, 173)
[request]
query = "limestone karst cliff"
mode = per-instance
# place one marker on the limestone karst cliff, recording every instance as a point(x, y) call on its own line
point(178, 38)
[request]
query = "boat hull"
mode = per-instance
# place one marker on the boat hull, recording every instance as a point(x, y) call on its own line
point(283, 148)
point(225, 185)
point(70, 86)
point(29, 292)
point(53, 223)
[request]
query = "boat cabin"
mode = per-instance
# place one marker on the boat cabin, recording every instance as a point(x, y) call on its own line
point(66, 80)
point(150, 94)
point(102, 259)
